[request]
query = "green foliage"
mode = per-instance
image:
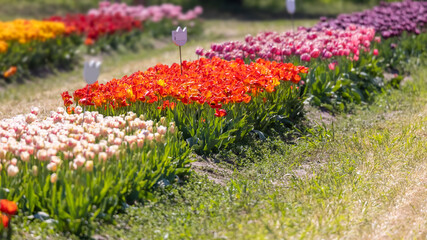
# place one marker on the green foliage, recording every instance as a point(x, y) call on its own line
point(395, 52)
point(351, 82)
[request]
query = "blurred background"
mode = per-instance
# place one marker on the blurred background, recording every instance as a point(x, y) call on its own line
point(242, 9)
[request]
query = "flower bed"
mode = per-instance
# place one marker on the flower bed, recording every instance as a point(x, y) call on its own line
point(307, 45)
point(209, 102)
point(150, 13)
point(103, 32)
point(158, 20)
point(388, 19)
point(33, 44)
point(78, 167)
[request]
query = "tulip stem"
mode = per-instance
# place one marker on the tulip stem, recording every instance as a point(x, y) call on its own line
point(180, 58)
point(84, 106)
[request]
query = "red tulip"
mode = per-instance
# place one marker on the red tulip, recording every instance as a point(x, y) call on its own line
point(220, 113)
point(8, 207)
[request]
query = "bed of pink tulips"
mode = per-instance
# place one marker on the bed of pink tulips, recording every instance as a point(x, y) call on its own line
point(307, 45)
point(154, 13)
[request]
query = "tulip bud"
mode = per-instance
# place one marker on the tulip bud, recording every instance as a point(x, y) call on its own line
point(12, 170)
point(29, 118)
point(89, 166)
point(53, 178)
point(163, 120)
point(375, 52)
point(140, 143)
point(172, 129)
point(103, 156)
point(35, 110)
point(34, 171)
point(52, 167)
point(117, 141)
point(2, 153)
point(79, 160)
point(161, 130)
point(78, 110)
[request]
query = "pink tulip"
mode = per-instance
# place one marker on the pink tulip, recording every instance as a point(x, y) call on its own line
point(315, 53)
point(375, 52)
point(305, 57)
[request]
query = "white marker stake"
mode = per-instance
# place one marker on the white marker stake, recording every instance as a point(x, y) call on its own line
point(90, 74)
point(290, 6)
point(179, 37)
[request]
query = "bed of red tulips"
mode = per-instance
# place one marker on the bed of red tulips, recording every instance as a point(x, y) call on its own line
point(212, 81)
point(93, 27)
point(209, 101)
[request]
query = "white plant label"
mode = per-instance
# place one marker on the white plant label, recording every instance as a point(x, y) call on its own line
point(290, 6)
point(179, 37)
point(91, 71)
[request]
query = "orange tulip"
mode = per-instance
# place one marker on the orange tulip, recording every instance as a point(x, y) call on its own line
point(5, 220)
point(10, 72)
point(89, 41)
point(8, 207)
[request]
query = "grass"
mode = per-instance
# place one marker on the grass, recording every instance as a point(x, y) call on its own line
point(362, 177)
point(42, 8)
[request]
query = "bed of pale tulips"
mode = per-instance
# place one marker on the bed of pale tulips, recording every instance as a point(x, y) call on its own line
point(100, 162)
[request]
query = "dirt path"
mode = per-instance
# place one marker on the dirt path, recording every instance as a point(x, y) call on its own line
point(408, 215)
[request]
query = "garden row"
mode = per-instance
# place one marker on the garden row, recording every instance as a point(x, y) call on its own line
point(137, 132)
point(31, 45)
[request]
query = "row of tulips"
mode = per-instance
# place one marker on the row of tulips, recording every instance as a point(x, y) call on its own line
point(388, 19)
point(158, 20)
point(324, 44)
point(24, 31)
point(209, 101)
point(85, 166)
point(30, 45)
point(158, 13)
